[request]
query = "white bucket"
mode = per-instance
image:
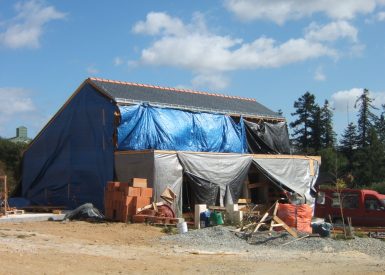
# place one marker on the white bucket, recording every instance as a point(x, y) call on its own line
point(182, 227)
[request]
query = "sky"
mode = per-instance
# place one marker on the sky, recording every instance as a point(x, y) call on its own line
point(270, 50)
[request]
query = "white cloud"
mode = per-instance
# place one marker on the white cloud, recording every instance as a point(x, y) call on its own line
point(344, 101)
point(319, 75)
point(26, 28)
point(211, 81)
point(280, 11)
point(160, 23)
point(381, 16)
point(331, 31)
point(15, 102)
point(201, 51)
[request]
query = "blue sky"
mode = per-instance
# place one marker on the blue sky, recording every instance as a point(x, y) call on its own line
point(273, 51)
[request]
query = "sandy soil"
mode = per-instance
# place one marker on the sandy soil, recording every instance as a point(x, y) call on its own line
point(114, 248)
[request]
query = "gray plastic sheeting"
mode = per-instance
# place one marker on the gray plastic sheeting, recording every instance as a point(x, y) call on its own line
point(227, 173)
point(293, 173)
point(168, 173)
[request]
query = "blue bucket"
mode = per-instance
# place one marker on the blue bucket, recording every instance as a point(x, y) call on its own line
point(205, 219)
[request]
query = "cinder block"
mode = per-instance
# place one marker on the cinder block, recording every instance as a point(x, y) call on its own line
point(199, 208)
point(146, 192)
point(139, 182)
point(123, 187)
point(237, 216)
point(141, 202)
point(133, 191)
point(113, 185)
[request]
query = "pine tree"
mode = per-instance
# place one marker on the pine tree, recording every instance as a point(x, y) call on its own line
point(316, 130)
point(349, 143)
point(366, 118)
point(369, 161)
point(328, 136)
point(305, 107)
point(380, 126)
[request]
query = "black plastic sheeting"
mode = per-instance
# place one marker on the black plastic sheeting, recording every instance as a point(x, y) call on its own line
point(213, 179)
point(72, 159)
point(85, 212)
point(267, 138)
point(202, 191)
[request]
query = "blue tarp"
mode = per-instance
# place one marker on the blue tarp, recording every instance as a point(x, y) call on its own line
point(147, 127)
point(72, 159)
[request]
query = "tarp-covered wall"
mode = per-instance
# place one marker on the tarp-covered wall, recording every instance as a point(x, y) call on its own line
point(215, 179)
point(71, 160)
point(130, 165)
point(297, 174)
point(146, 127)
point(267, 138)
point(161, 170)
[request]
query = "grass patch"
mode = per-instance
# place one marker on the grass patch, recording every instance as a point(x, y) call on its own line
point(170, 230)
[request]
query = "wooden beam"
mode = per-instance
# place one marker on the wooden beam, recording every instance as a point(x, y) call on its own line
point(260, 156)
point(287, 228)
point(261, 222)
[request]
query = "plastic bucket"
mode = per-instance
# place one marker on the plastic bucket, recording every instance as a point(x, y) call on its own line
point(204, 219)
point(182, 227)
point(216, 218)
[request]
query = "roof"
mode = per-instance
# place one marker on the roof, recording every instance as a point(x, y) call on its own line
point(134, 93)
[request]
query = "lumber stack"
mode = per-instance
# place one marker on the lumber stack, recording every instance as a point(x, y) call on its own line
point(122, 199)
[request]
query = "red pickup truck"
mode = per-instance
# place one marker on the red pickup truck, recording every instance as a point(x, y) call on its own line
point(364, 207)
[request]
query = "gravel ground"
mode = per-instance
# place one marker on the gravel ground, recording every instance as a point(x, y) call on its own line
point(220, 238)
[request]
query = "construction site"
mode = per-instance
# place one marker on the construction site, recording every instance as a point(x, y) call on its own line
point(135, 178)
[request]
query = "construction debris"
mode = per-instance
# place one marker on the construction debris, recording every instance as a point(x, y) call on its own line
point(268, 221)
point(168, 195)
point(156, 213)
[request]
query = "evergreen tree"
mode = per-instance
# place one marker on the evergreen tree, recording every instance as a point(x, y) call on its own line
point(316, 130)
point(369, 161)
point(349, 143)
point(328, 136)
point(366, 118)
point(305, 107)
point(380, 126)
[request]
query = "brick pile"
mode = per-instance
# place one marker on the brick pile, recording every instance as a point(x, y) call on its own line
point(122, 199)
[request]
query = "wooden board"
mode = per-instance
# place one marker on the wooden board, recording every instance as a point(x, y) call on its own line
point(287, 228)
point(261, 156)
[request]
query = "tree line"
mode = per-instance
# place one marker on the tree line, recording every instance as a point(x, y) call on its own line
point(10, 161)
point(358, 156)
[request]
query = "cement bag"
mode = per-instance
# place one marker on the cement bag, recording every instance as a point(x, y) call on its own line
point(304, 215)
point(287, 213)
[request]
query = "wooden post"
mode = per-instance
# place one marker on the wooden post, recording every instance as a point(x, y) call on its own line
point(5, 202)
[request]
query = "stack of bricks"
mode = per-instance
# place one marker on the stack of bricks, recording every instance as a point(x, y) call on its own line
point(122, 199)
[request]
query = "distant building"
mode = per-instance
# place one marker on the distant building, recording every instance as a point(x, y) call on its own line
point(21, 135)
